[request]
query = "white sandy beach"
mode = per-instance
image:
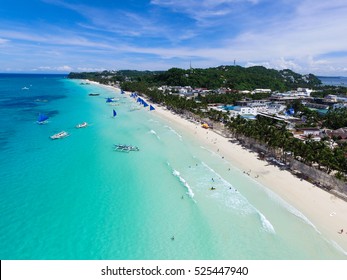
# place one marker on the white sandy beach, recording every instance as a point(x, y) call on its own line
point(327, 212)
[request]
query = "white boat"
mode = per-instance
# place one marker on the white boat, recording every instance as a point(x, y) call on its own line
point(81, 125)
point(59, 135)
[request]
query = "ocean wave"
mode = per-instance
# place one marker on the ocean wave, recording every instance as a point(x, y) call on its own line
point(174, 131)
point(266, 223)
point(212, 152)
point(154, 133)
point(337, 247)
point(291, 209)
point(184, 182)
point(240, 203)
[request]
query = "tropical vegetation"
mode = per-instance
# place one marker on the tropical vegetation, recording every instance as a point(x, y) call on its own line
point(265, 131)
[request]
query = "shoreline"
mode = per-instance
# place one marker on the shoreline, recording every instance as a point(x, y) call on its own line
point(323, 209)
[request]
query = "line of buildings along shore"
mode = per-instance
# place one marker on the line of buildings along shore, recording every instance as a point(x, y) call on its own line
point(274, 107)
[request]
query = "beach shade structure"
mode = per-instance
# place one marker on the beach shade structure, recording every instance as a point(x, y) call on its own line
point(151, 108)
point(205, 125)
point(122, 92)
point(114, 113)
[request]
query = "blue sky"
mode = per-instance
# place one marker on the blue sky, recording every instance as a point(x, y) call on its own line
point(307, 36)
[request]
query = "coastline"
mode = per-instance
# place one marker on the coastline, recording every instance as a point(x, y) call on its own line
point(324, 210)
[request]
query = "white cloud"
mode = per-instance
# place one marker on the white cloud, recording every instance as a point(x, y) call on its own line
point(64, 68)
point(89, 69)
point(3, 41)
point(306, 36)
point(203, 10)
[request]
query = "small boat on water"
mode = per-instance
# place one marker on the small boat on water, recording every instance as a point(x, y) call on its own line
point(82, 125)
point(59, 135)
point(42, 119)
point(125, 148)
point(94, 94)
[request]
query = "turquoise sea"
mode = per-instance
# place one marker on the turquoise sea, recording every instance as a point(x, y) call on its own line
point(77, 198)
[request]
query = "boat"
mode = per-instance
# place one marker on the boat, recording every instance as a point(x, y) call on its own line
point(25, 88)
point(114, 113)
point(94, 94)
point(82, 125)
point(125, 148)
point(42, 119)
point(59, 135)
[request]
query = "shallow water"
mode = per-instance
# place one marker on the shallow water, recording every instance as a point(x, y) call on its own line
point(76, 198)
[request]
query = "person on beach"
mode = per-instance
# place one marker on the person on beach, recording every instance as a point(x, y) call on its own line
point(341, 231)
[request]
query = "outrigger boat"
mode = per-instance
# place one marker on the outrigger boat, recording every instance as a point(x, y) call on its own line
point(61, 134)
point(125, 148)
point(82, 125)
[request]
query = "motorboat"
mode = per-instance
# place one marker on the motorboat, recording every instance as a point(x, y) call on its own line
point(59, 135)
point(82, 125)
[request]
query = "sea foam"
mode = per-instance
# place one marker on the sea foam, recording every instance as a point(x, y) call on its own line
point(291, 209)
point(238, 202)
point(184, 182)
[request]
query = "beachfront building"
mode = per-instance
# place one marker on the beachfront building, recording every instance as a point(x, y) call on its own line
point(250, 109)
point(275, 108)
point(305, 133)
point(336, 101)
point(340, 133)
point(340, 106)
point(300, 93)
point(261, 90)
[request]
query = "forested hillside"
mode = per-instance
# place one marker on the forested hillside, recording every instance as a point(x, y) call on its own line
point(233, 77)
